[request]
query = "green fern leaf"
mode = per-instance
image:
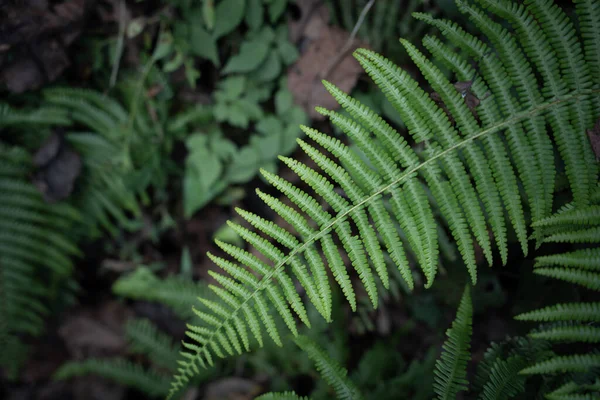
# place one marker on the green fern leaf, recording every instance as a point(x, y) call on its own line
point(330, 370)
point(373, 195)
point(570, 363)
point(451, 368)
point(281, 396)
point(564, 312)
point(119, 370)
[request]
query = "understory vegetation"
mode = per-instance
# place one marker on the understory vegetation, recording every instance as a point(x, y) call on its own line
point(300, 199)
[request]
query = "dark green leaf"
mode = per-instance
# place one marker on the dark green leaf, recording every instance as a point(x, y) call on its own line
point(251, 55)
point(229, 14)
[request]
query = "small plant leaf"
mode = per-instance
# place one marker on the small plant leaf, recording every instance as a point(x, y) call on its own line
point(252, 54)
point(229, 14)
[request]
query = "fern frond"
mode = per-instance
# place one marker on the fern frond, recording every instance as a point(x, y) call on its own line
point(570, 363)
point(145, 338)
point(569, 333)
point(330, 370)
point(564, 312)
point(173, 291)
point(281, 396)
point(451, 368)
point(43, 116)
point(118, 370)
point(587, 279)
point(584, 259)
point(504, 380)
point(474, 161)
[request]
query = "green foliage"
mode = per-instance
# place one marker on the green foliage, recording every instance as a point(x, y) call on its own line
point(281, 396)
point(215, 163)
point(501, 139)
point(120, 371)
point(451, 368)
point(174, 291)
point(568, 322)
point(146, 339)
point(329, 369)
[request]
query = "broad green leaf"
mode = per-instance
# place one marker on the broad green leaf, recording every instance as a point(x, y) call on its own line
point(250, 108)
point(232, 87)
point(276, 8)
point(267, 146)
point(229, 14)
point(202, 44)
point(245, 165)
point(269, 125)
point(208, 12)
point(288, 52)
point(270, 69)
point(254, 14)
point(252, 54)
point(164, 46)
point(283, 101)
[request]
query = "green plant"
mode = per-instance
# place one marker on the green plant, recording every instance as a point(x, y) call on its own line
point(501, 138)
point(144, 338)
point(215, 163)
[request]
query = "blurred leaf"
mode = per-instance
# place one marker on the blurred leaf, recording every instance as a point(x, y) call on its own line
point(229, 14)
point(245, 165)
point(226, 234)
point(208, 12)
point(135, 27)
point(288, 52)
point(270, 69)
point(164, 46)
point(186, 263)
point(174, 63)
point(269, 125)
point(252, 54)
point(203, 169)
point(276, 8)
point(191, 73)
point(283, 101)
point(254, 14)
point(203, 44)
point(267, 146)
point(232, 87)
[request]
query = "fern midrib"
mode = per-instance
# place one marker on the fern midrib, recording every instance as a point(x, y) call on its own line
point(539, 108)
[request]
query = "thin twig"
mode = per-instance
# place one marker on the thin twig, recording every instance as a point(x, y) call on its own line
point(348, 45)
point(119, 47)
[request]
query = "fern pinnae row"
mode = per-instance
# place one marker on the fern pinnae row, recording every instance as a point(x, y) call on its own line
point(432, 116)
point(495, 150)
point(479, 167)
point(332, 222)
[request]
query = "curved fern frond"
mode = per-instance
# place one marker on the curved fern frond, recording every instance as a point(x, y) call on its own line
point(479, 147)
point(564, 312)
point(145, 338)
point(451, 368)
point(571, 363)
point(281, 396)
point(504, 380)
point(329, 369)
point(175, 292)
point(569, 333)
point(118, 370)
